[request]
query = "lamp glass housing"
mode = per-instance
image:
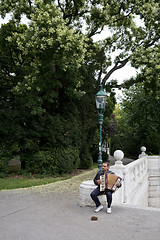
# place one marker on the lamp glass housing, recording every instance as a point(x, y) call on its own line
point(101, 97)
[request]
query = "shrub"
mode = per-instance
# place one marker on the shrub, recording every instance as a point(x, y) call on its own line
point(4, 159)
point(86, 160)
point(55, 162)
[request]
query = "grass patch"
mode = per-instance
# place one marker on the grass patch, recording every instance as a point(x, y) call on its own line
point(24, 182)
point(94, 165)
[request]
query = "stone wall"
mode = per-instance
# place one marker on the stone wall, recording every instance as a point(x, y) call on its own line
point(154, 181)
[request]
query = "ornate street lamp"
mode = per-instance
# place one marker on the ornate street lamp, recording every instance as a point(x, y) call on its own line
point(101, 97)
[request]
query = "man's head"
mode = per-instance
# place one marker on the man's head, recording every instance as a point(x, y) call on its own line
point(105, 166)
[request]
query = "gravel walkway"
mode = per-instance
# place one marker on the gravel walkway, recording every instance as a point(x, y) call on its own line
point(67, 186)
point(70, 186)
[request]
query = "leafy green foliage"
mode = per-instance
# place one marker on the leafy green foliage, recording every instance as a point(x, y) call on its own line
point(47, 102)
point(50, 70)
point(138, 123)
point(5, 156)
point(56, 162)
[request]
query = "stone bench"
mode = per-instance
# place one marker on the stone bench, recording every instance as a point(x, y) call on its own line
point(85, 190)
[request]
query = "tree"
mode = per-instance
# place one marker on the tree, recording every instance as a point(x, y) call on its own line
point(120, 18)
point(138, 123)
point(57, 67)
point(52, 58)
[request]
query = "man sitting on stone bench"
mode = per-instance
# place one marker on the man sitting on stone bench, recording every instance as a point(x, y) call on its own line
point(96, 192)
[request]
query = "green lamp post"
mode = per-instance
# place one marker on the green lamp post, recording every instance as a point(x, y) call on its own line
point(101, 97)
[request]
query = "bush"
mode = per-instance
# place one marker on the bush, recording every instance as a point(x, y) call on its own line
point(67, 160)
point(4, 159)
point(56, 162)
point(86, 160)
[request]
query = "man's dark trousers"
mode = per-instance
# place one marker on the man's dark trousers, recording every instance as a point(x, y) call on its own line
point(96, 192)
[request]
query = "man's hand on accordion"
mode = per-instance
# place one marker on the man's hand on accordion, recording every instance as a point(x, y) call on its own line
point(118, 184)
point(99, 182)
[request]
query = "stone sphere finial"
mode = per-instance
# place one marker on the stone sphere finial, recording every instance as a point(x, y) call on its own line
point(143, 154)
point(143, 149)
point(118, 155)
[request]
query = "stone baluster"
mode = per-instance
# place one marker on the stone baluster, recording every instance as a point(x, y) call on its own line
point(119, 169)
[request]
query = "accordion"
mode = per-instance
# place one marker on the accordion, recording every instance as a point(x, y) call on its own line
point(109, 181)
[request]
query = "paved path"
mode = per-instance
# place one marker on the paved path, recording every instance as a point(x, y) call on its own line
point(52, 212)
point(124, 160)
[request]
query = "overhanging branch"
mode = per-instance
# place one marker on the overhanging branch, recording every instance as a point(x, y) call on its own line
point(118, 65)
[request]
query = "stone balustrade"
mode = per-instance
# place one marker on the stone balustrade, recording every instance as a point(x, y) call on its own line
point(154, 181)
point(134, 188)
point(140, 183)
